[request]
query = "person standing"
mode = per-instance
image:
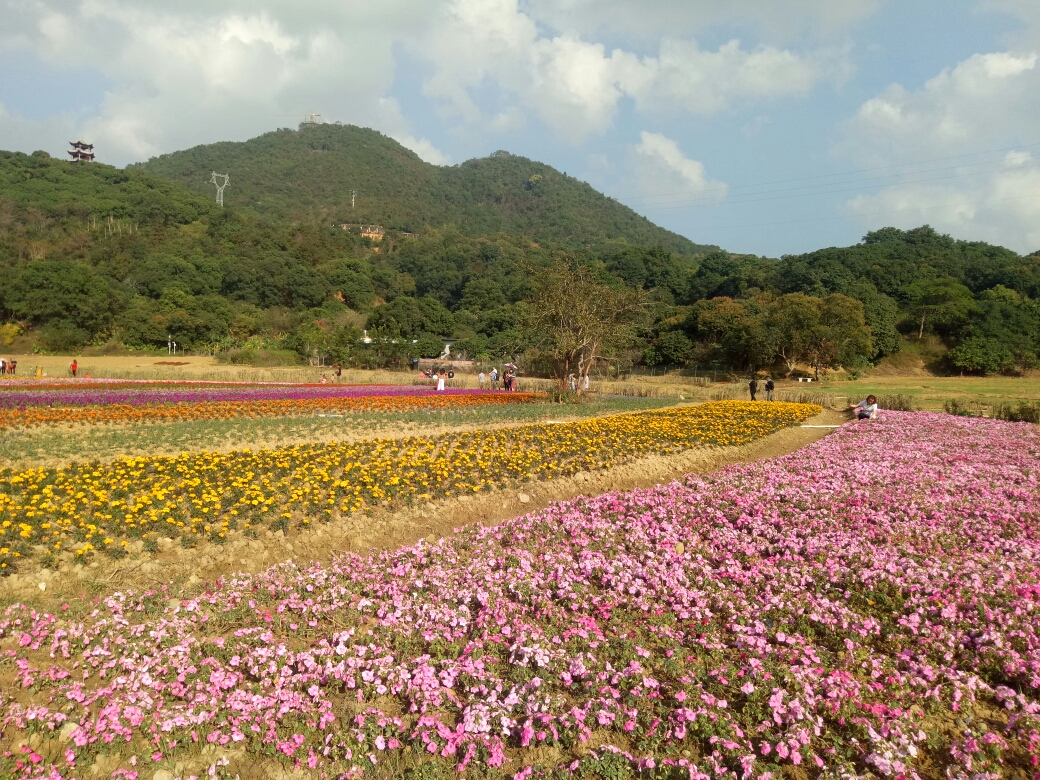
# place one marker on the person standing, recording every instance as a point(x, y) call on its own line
point(753, 387)
point(74, 367)
point(481, 380)
point(494, 378)
point(440, 382)
point(769, 388)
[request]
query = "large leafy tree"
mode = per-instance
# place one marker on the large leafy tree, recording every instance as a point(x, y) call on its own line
point(823, 332)
point(574, 318)
point(939, 301)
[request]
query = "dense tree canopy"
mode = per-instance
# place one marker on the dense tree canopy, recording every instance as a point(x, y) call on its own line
point(91, 254)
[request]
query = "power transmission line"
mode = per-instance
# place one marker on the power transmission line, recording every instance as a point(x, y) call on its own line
point(865, 214)
point(730, 188)
point(749, 197)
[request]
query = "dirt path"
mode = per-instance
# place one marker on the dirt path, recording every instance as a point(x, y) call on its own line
point(382, 529)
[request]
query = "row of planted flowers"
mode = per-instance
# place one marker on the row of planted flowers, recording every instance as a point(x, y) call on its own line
point(866, 607)
point(84, 507)
point(123, 408)
point(144, 395)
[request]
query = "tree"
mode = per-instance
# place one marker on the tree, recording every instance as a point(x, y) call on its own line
point(573, 319)
point(842, 337)
point(792, 320)
point(941, 301)
point(410, 317)
point(675, 348)
point(481, 295)
point(980, 355)
point(823, 332)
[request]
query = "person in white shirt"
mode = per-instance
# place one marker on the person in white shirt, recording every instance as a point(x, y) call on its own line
point(867, 409)
point(481, 380)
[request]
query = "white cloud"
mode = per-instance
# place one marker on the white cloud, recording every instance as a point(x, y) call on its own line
point(424, 148)
point(984, 97)
point(788, 20)
point(189, 73)
point(986, 102)
point(665, 173)
point(1003, 207)
point(685, 77)
point(575, 85)
point(195, 71)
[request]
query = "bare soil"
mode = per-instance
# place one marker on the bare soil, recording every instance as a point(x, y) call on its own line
point(189, 569)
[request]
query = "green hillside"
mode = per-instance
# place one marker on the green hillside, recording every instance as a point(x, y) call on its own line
point(60, 190)
point(308, 174)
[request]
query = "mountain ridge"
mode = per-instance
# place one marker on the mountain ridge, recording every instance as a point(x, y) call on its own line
point(309, 173)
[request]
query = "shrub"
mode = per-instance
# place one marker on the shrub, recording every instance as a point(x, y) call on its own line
point(1023, 411)
point(260, 357)
point(898, 402)
point(962, 407)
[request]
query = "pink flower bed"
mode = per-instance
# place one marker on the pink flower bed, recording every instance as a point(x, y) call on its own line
point(870, 604)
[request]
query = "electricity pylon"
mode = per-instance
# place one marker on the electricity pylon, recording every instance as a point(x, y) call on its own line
point(220, 187)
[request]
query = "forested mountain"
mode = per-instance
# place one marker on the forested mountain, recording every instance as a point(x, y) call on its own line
point(308, 175)
point(91, 255)
point(981, 300)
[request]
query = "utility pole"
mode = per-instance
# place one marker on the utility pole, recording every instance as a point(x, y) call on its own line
point(353, 194)
point(220, 186)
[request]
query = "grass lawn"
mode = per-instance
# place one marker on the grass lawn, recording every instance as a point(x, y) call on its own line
point(929, 392)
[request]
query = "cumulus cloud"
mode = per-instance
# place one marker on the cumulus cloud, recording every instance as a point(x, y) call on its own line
point(788, 20)
point(1002, 207)
point(424, 148)
point(664, 172)
point(575, 85)
point(986, 102)
point(196, 72)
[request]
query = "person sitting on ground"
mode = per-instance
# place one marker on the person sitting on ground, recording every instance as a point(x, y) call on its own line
point(867, 409)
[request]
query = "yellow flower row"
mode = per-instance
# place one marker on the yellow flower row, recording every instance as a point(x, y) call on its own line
point(91, 506)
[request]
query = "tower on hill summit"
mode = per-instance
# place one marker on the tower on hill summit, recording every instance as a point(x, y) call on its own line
point(81, 152)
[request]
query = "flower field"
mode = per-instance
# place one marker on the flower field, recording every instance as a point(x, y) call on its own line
point(89, 506)
point(866, 607)
point(143, 393)
point(135, 405)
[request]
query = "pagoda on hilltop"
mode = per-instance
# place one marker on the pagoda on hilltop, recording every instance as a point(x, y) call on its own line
point(81, 152)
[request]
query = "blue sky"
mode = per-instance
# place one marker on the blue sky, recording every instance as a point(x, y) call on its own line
point(769, 128)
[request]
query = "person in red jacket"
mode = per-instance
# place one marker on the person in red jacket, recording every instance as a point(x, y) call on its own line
point(73, 367)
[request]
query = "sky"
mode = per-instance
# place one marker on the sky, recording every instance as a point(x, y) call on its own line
point(764, 127)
